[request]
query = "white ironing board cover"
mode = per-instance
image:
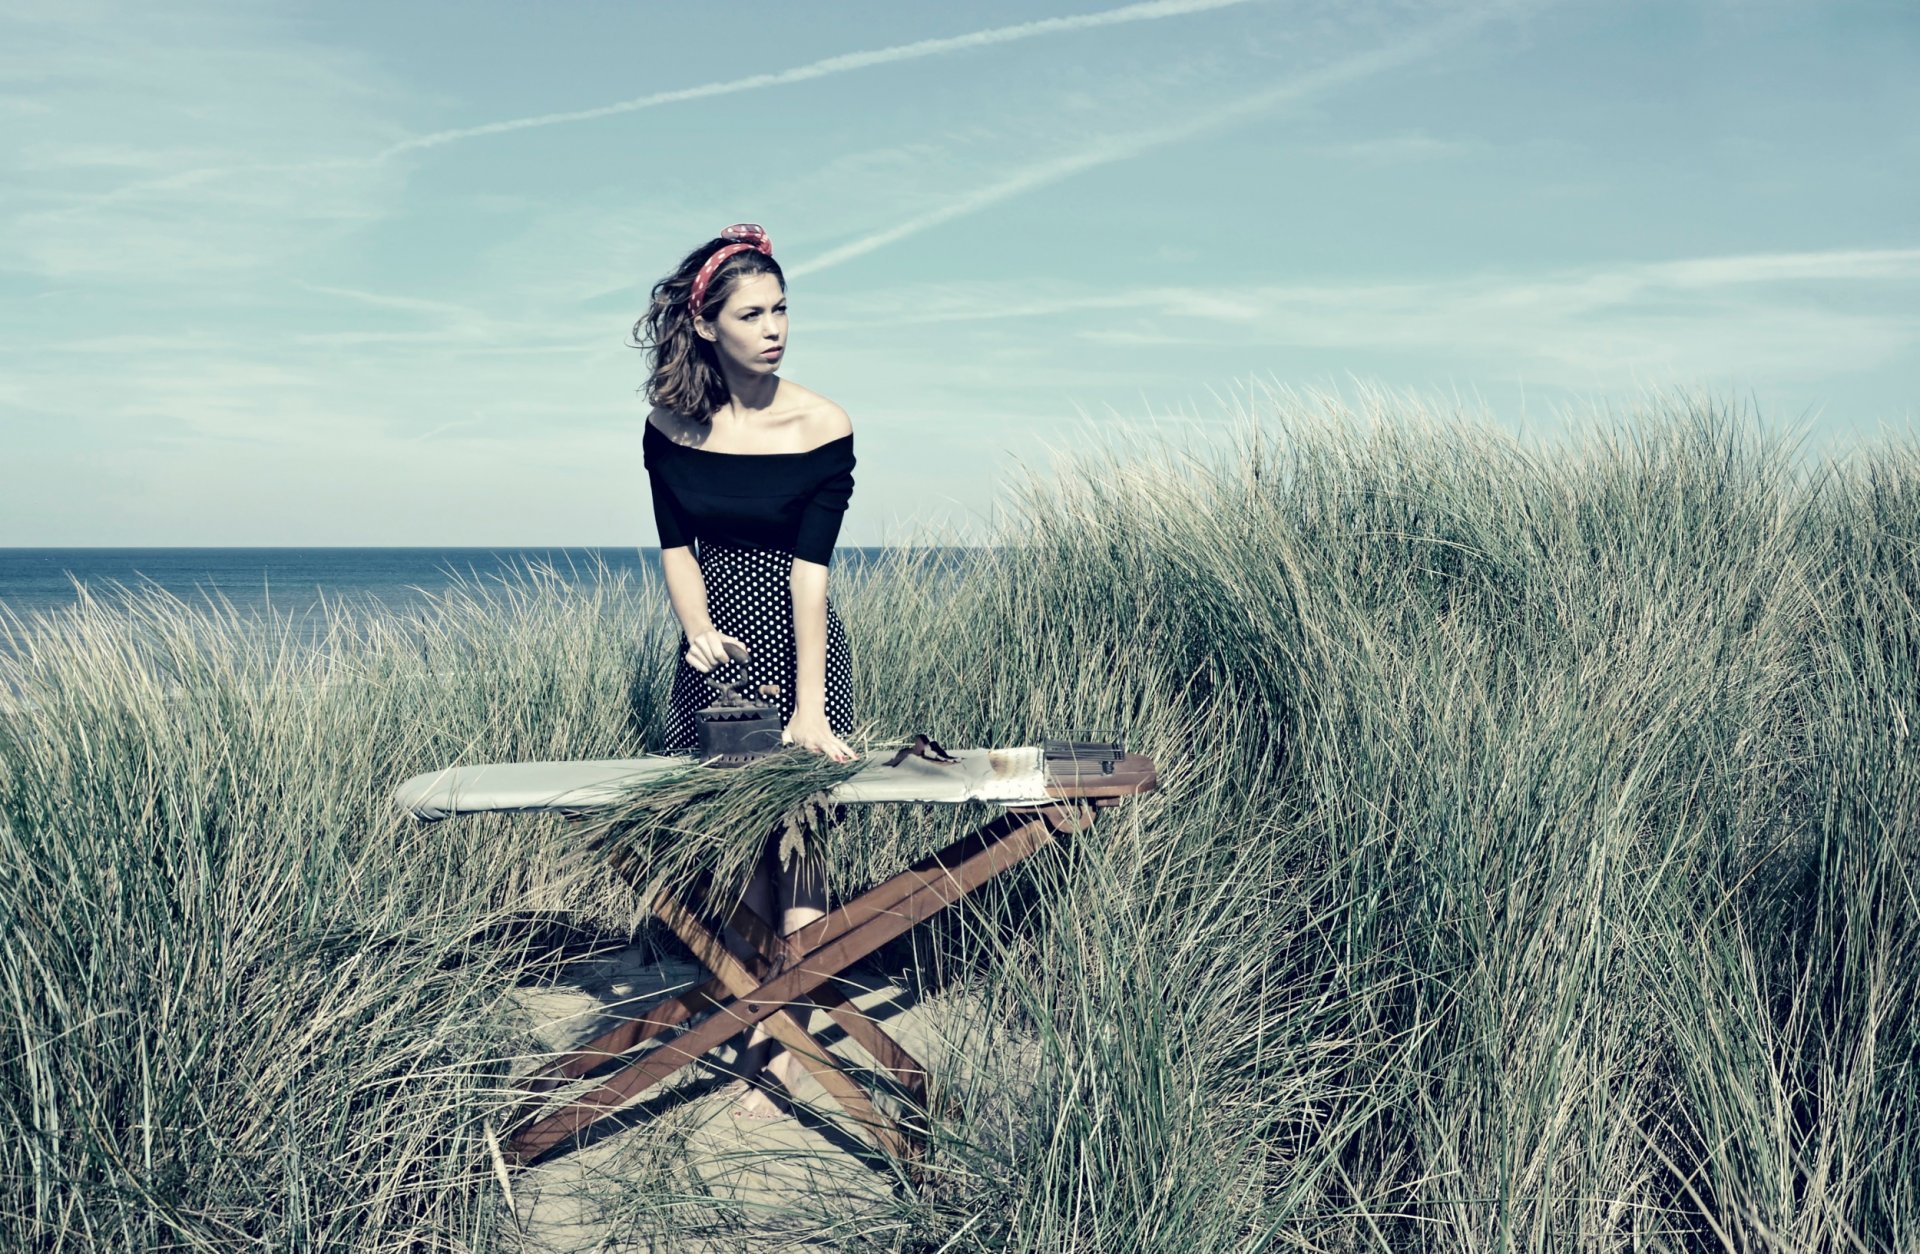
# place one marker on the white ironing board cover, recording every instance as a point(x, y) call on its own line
point(1014, 776)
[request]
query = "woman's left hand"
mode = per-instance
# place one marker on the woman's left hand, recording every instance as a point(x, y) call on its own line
point(809, 730)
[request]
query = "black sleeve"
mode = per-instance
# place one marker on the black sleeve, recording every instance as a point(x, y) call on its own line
point(676, 530)
point(820, 521)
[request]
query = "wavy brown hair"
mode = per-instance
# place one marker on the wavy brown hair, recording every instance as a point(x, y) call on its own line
point(686, 374)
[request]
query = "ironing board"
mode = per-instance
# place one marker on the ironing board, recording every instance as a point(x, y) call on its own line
point(784, 978)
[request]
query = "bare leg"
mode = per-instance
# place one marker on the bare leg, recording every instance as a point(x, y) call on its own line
point(759, 898)
point(801, 890)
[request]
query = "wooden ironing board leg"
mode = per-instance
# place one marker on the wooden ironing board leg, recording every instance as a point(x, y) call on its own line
point(623, 1038)
point(825, 948)
point(781, 954)
point(784, 1026)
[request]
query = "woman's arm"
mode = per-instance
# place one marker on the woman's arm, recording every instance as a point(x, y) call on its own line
point(809, 586)
point(813, 550)
point(686, 589)
point(686, 586)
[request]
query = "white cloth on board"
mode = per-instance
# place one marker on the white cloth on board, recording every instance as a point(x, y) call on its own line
point(1003, 776)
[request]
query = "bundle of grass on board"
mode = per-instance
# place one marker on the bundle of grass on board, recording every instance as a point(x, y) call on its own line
point(706, 826)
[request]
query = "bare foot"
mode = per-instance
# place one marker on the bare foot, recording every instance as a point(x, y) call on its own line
point(755, 1104)
point(754, 1099)
point(741, 1099)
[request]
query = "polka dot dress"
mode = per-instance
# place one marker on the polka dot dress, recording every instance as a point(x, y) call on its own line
point(749, 598)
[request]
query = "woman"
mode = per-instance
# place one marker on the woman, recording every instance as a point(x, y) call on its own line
point(751, 475)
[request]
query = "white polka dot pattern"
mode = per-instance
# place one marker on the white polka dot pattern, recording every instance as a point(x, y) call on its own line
point(748, 236)
point(749, 598)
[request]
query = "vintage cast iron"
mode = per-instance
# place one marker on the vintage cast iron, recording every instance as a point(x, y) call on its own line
point(737, 729)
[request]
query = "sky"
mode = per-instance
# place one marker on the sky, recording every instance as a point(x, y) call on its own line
point(365, 274)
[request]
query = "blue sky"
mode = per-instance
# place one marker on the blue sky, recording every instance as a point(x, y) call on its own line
point(362, 273)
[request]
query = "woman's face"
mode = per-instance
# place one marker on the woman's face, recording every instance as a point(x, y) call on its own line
point(750, 330)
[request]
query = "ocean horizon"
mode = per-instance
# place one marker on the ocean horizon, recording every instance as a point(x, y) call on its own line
point(36, 582)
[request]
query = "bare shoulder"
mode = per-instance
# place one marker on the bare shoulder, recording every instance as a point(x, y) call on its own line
point(833, 423)
point(823, 419)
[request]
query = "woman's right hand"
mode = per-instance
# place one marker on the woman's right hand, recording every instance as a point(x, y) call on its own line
point(710, 648)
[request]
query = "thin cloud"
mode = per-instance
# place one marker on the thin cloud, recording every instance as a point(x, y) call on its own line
point(456, 425)
point(1121, 148)
point(1702, 317)
point(387, 300)
point(1394, 150)
point(1584, 288)
point(1865, 264)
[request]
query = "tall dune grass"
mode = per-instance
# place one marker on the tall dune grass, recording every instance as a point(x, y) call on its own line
point(1533, 869)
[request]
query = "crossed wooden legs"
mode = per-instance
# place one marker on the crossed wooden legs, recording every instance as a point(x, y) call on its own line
point(785, 980)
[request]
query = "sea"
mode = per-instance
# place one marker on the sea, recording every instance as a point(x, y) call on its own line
point(307, 586)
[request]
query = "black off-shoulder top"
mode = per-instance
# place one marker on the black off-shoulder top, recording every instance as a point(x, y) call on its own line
point(789, 502)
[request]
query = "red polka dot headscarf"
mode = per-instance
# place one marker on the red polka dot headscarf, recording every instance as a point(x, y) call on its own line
point(747, 236)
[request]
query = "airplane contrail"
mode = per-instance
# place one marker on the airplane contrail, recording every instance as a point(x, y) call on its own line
point(1144, 12)
point(1134, 144)
point(1149, 11)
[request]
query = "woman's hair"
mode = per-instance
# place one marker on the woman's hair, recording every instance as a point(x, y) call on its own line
point(686, 375)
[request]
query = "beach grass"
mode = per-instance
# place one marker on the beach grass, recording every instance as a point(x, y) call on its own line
point(1533, 867)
